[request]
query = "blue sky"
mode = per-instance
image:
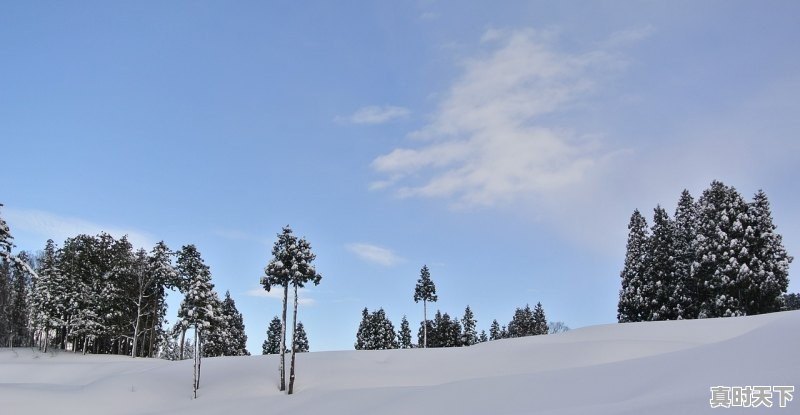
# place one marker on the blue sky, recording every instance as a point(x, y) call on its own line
point(505, 146)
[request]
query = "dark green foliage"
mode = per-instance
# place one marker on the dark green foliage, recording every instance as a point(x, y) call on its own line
point(768, 265)
point(301, 339)
point(425, 291)
point(494, 331)
point(404, 335)
point(720, 257)
point(790, 302)
point(272, 345)
point(660, 271)
point(686, 288)
point(443, 331)
point(469, 324)
point(527, 322)
point(376, 331)
point(630, 307)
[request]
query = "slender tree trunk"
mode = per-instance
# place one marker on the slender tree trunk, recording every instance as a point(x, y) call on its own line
point(194, 380)
point(283, 338)
point(183, 335)
point(136, 329)
point(153, 318)
point(199, 356)
point(425, 324)
point(294, 343)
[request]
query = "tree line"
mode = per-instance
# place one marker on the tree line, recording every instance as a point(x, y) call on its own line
point(98, 294)
point(377, 332)
point(717, 257)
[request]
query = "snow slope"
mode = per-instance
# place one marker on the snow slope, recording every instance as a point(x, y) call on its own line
point(639, 368)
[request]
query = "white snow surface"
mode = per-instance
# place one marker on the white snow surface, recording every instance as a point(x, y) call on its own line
point(635, 368)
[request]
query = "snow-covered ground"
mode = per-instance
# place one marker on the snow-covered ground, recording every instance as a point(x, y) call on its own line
point(641, 368)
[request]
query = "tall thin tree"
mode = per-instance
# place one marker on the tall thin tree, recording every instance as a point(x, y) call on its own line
point(278, 273)
point(302, 272)
point(425, 291)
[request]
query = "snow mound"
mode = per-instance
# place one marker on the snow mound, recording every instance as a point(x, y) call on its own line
point(653, 368)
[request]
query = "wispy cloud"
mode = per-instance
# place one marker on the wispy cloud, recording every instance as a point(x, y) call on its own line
point(277, 294)
point(374, 254)
point(376, 115)
point(59, 228)
point(488, 141)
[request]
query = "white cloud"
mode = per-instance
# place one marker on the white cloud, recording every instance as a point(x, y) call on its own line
point(487, 142)
point(376, 115)
point(59, 228)
point(277, 294)
point(374, 254)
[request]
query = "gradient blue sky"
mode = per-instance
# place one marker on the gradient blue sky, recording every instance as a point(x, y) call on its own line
point(504, 145)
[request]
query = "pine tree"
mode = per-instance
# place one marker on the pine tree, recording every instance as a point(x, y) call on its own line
point(301, 339)
point(469, 324)
point(376, 331)
point(660, 284)
point(45, 311)
point(404, 335)
point(539, 321)
point(19, 310)
point(165, 277)
point(630, 307)
point(522, 324)
point(196, 309)
point(721, 252)
point(363, 335)
point(272, 345)
point(494, 331)
point(686, 289)
point(482, 338)
point(768, 264)
point(236, 344)
point(425, 291)
point(302, 273)
point(278, 273)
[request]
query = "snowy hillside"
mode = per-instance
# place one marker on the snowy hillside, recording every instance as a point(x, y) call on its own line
point(638, 368)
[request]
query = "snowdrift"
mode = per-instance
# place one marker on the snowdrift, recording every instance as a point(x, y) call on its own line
point(637, 368)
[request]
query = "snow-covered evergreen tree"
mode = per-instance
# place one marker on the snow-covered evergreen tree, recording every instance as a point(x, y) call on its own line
point(375, 332)
point(686, 289)
point(197, 309)
point(630, 307)
point(483, 338)
point(301, 339)
point(302, 273)
point(278, 273)
point(425, 291)
point(19, 310)
point(45, 311)
point(522, 324)
point(494, 331)
point(768, 265)
point(404, 335)
point(659, 283)
point(236, 344)
point(469, 324)
point(539, 321)
point(442, 331)
point(272, 345)
point(721, 253)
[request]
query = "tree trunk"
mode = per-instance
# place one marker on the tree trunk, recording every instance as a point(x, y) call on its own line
point(194, 380)
point(183, 335)
point(283, 338)
point(153, 318)
point(294, 343)
point(425, 324)
point(199, 356)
